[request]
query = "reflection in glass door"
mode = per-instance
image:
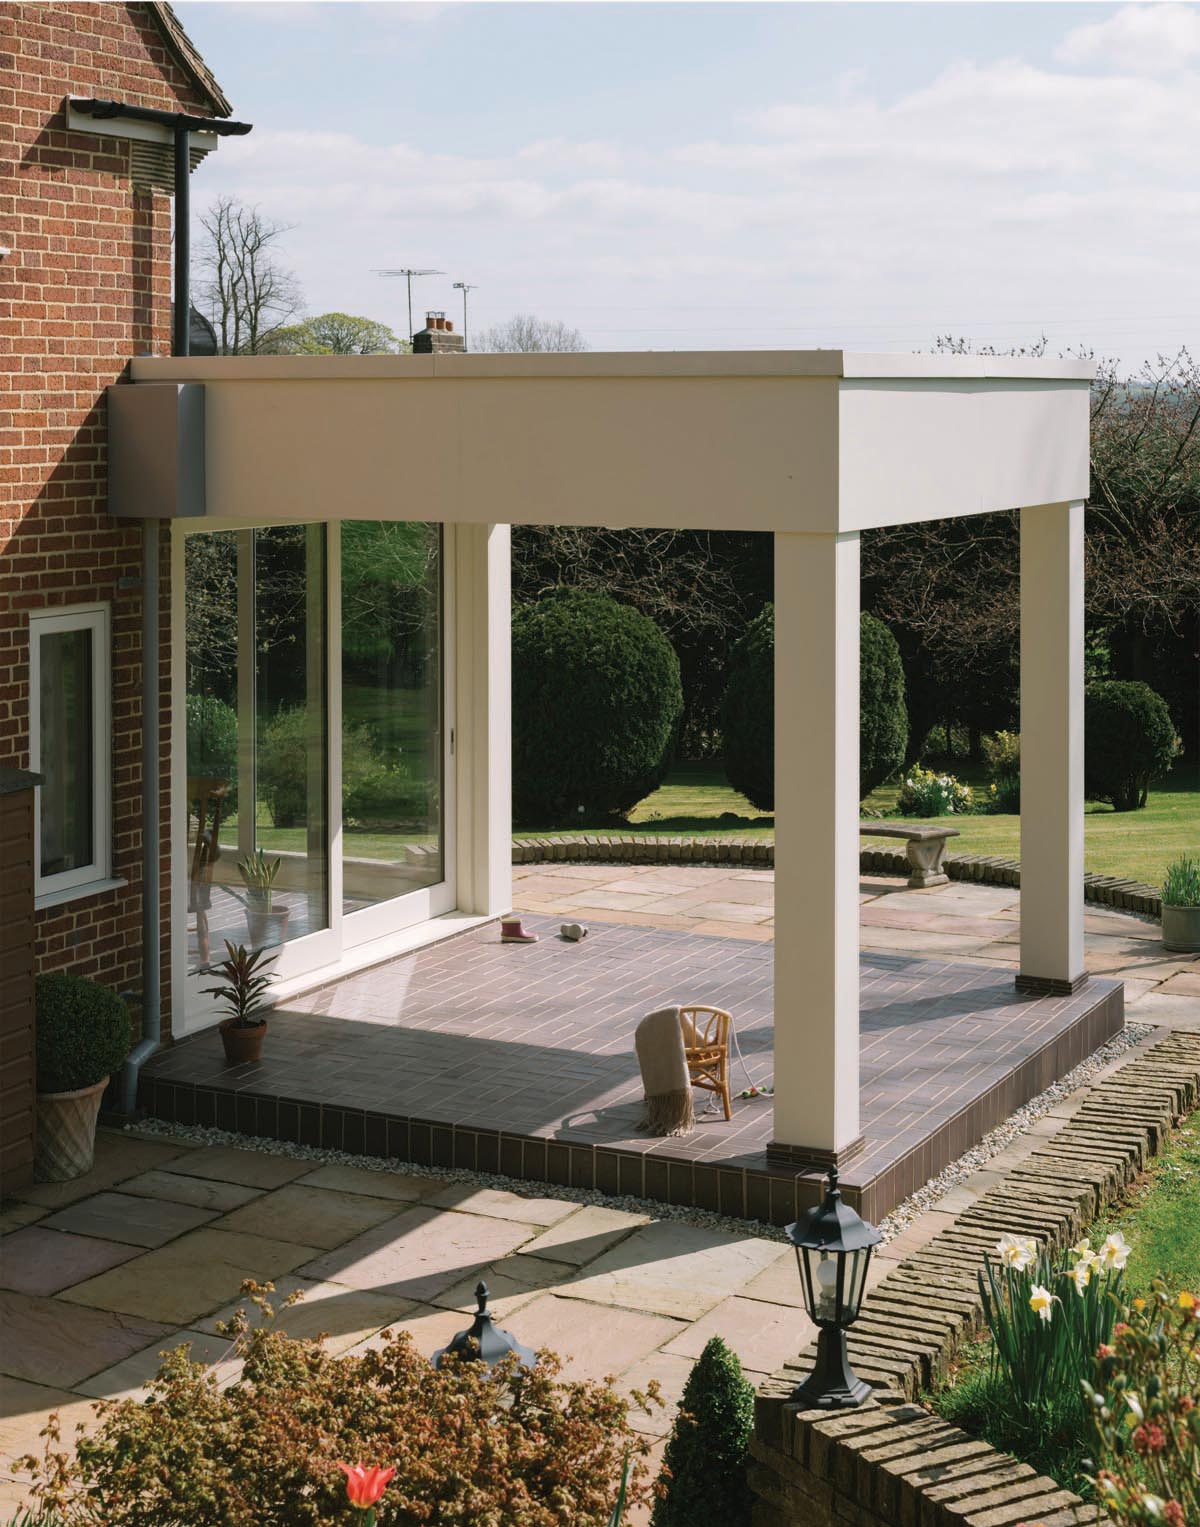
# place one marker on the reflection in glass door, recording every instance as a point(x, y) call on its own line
point(393, 828)
point(257, 744)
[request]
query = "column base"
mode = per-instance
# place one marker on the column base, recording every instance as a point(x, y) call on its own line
point(1050, 986)
point(811, 1158)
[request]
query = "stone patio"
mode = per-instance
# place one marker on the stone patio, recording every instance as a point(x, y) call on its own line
point(520, 1058)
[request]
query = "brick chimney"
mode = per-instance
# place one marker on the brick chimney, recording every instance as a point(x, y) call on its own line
point(437, 337)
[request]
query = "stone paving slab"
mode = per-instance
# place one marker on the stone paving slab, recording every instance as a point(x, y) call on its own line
point(502, 1205)
point(309, 1216)
point(130, 1378)
point(345, 1316)
point(400, 1187)
point(47, 1341)
point(36, 1260)
point(250, 1169)
point(593, 1344)
point(128, 1217)
point(199, 1192)
point(585, 1234)
point(117, 1157)
point(762, 1335)
point(190, 1277)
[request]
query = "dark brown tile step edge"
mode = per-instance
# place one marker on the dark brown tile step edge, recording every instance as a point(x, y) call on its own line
point(893, 1464)
point(759, 853)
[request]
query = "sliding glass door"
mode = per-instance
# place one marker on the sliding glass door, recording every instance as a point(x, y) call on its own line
point(314, 678)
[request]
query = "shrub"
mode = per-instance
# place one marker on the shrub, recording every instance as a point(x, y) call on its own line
point(371, 787)
point(84, 1032)
point(212, 743)
point(748, 711)
point(926, 794)
point(282, 765)
point(596, 706)
point(1144, 1402)
point(1002, 757)
point(1181, 888)
point(1128, 741)
point(883, 715)
point(522, 1448)
point(707, 1450)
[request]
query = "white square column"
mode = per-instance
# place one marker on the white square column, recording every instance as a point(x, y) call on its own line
point(483, 718)
point(816, 849)
point(1052, 749)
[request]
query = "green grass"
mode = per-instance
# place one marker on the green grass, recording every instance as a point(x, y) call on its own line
point(1135, 845)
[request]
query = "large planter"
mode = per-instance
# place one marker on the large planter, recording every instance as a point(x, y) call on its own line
point(241, 1043)
point(1181, 929)
point(66, 1133)
point(264, 928)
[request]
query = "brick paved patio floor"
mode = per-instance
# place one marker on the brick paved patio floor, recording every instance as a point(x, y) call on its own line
point(520, 1058)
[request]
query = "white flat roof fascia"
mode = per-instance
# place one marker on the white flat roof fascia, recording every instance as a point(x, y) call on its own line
point(599, 363)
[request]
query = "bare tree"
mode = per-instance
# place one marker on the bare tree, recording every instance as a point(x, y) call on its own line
point(525, 332)
point(249, 294)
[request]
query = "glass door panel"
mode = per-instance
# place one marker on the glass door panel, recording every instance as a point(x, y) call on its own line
point(393, 820)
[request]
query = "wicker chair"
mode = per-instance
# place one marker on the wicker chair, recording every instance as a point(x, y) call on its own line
point(706, 1049)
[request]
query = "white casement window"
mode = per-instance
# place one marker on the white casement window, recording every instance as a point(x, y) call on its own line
point(70, 745)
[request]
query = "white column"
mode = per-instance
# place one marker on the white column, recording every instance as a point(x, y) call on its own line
point(483, 725)
point(816, 846)
point(1052, 748)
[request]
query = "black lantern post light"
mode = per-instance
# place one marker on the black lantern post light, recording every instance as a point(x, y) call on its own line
point(483, 1341)
point(833, 1249)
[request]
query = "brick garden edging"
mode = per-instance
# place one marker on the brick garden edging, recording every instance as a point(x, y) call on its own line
point(759, 853)
point(893, 1464)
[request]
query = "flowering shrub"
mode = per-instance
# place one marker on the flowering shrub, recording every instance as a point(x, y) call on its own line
point(522, 1448)
point(926, 794)
point(1002, 755)
point(1145, 1409)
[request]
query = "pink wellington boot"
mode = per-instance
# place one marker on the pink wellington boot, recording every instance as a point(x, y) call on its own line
point(512, 931)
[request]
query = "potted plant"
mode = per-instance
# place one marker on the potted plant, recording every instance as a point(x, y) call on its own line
point(263, 925)
point(84, 1034)
point(1181, 906)
point(242, 987)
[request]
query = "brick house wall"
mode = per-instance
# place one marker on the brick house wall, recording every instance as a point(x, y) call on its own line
point(87, 285)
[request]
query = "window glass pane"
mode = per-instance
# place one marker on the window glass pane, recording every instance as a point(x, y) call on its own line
point(65, 724)
point(392, 833)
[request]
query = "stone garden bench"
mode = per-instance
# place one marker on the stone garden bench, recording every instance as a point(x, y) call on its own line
point(926, 847)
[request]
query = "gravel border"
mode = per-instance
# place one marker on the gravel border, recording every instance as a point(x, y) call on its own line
point(903, 1215)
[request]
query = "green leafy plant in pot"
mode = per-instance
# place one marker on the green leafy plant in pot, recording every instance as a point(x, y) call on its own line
point(242, 987)
point(264, 924)
point(84, 1033)
point(1181, 906)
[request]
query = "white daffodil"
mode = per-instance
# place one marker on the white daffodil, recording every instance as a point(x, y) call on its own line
point(1115, 1252)
point(1083, 1248)
point(1016, 1251)
point(1041, 1301)
point(1135, 1406)
point(1082, 1271)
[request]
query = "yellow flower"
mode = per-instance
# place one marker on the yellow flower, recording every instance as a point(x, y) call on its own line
point(1187, 1301)
point(1139, 1303)
point(1041, 1301)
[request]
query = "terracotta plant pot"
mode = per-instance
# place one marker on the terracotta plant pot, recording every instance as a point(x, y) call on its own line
point(266, 929)
point(242, 1044)
point(66, 1133)
point(1181, 929)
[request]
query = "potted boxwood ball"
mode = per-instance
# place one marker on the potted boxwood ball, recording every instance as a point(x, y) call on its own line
point(84, 1034)
point(244, 982)
point(1181, 907)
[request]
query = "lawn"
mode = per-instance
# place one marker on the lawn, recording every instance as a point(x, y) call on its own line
point(1137, 845)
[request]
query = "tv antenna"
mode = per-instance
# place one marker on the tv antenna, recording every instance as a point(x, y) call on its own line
point(464, 287)
point(408, 273)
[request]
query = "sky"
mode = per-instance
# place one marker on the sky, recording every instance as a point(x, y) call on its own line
point(730, 176)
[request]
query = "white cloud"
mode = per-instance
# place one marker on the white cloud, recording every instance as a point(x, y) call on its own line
point(1141, 39)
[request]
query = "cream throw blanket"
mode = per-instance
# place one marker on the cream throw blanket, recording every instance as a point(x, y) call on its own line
point(665, 1081)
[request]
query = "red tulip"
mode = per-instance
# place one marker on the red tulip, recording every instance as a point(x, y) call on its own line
point(365, 1486)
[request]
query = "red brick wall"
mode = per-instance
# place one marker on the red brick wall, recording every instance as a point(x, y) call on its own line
point(87, 286)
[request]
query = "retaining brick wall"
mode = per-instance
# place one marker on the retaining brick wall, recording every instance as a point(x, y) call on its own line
point(86, 287)
point(892, 1463)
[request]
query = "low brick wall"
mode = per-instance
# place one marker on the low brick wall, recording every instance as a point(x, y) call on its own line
point(759, 853)
point(893, 1464)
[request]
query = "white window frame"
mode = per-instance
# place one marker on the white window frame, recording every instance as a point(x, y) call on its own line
point(86, 879)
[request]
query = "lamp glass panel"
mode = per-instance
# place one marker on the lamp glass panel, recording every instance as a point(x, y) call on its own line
point(824, 1271)
point(856, 1278)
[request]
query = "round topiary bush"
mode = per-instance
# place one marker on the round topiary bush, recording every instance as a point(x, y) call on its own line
point(84, 1033)
point(1128, 741)
point(883, 714)
point(596, 703)
point(748, 714)
point(707, 1450)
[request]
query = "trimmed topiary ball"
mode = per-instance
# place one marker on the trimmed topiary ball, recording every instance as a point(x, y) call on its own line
point(84, 1033)
point(1129, 740)
point(748, 715)
point(708, 1448)
point(596, 704)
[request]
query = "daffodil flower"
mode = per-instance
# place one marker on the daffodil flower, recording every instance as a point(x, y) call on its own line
point(1041, 1301)
point(1082, 1274)
point(1135, 1406)
point(1115, 1252)
point(1016, 1251)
